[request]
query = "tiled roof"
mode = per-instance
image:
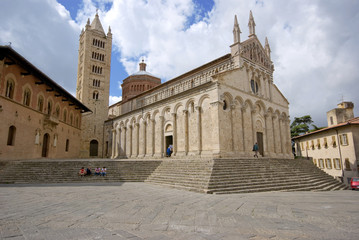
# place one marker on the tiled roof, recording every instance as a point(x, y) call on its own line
point(353, 121)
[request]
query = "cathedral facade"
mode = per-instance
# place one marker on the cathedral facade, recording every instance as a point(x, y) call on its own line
point(220, 109)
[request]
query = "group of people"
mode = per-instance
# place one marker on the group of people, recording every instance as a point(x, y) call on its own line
point(88, 172)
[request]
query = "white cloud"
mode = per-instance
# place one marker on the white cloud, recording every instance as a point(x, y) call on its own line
point(314, 43)
point(114, 99)
point(43, 33)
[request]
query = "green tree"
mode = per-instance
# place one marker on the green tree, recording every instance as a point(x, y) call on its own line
point(301, 125)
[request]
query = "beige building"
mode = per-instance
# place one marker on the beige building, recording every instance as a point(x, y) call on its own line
point(334, 149)
point(93, 86)
point(38, 117)
point(219, 109)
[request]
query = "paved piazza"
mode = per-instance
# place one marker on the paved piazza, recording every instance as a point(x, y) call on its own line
point(144, 211)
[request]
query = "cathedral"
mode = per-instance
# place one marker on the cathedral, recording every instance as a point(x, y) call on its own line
point(217, 110)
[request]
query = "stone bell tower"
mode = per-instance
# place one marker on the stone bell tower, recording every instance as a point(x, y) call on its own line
point(93, 85)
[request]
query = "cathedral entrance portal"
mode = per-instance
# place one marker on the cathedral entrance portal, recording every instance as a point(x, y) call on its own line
point(93, 148)
point(260, 143)
point(169, 141)
point(45, 145)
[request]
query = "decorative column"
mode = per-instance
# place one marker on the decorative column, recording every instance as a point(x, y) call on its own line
point(144, 138)
point(124, 141)
point(117, 143)
point(266, 149)
point(243, 134)
point(162, 120)
point(174, 120)
point(274, 137)
point(137, 146)
point(232, 128)
point(153, 124)
point(185, 112)
point(120, 142)
point(253, 124)
point(199, 129)
point(280, 134)
point(130, 142)
point(113, 143)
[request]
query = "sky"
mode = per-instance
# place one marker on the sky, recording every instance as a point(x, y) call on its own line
point(314, 43)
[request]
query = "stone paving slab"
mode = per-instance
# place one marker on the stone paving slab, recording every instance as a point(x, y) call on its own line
point(140, 211)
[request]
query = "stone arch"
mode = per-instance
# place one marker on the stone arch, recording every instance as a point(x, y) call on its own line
point(188, 103)
point(177, 106)
point(165, 109)
point(248, 104)
point(259, 105)
point(239, 101)
point(201, 99)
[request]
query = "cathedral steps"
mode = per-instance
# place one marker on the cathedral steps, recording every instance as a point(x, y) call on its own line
point(62, 171)
point(217, 176)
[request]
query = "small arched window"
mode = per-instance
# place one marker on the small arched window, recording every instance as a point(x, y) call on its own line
point(95, 95)
point(11, 136)
point(40, 103)
point(57, 111)
point(254, 86)
point(65, 115)
point(49, 107)
point(224, 105)
point(27, 97)
point(10, 86)
point(71, 118)
point(67, 145)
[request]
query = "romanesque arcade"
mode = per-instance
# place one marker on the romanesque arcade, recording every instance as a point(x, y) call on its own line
point(203, 127)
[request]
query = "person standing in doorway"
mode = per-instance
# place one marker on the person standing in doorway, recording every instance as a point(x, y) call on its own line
point(255, 149)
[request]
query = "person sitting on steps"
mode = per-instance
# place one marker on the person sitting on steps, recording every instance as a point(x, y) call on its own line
point(97, 171)
point(88, 171)
point(103, 171)
point(82, 172)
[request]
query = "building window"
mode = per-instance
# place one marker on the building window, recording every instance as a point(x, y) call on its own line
point(27, 97)
point(328, 163)
point(65, 115)
point(334, 142)
point(312, 145)
point(67, 145)
point(302, 145)
point(71, 118)
point(49, 107)
point(77, 121)
point(315, 162)
point(331, 121)
point(325, 143)
point(224, 105)
point(318, 143)
point(40, 103)
point(11, 136)
point(347, 164)
point(321, 163)
point(337, 164)
point(57, 111)
point(10, 86)
point(254, 86)
point(344, 139)
point(95, 95)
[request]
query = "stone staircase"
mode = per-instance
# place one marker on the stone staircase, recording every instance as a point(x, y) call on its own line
point(259, 175)
point(215, 176)
point(64, 171)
